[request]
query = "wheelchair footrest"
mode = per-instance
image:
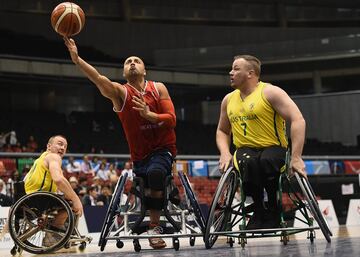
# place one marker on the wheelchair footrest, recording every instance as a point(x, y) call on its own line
point(144, 227)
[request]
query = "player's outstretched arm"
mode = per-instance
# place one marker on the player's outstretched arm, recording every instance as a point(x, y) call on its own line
point(109, 89)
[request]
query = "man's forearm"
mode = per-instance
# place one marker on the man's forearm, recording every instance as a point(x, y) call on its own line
point(297, 133)
point(64, 186)
point(88, 70)
point(222, 142)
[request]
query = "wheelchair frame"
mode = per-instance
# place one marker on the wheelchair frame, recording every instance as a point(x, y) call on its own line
point(224, 216)
point(28, 225)
point(178, 218)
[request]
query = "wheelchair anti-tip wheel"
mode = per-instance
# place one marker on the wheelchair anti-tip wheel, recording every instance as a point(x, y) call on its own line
point(221, 206)
point(32, 222)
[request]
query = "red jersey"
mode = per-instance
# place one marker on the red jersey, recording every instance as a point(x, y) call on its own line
point(144, 137)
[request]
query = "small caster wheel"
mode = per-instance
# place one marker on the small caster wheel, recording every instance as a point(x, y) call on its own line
point(82, 246)
point(242, 243)
point(119, 244)
point(231, 242)
point(137, 246)
point(176, 244)
point(311, 237)
point(13, 251)
point(192, 241)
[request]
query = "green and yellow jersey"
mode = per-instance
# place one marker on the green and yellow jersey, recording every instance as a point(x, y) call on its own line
point(39, 177)
point(255, 116)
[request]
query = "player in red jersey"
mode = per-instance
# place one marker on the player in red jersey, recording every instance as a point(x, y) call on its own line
point(148, 117)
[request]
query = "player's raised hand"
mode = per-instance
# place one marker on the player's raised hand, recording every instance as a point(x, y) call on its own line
point(141, 106)
point(70, 43)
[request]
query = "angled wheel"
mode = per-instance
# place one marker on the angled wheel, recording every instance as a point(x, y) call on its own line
point(114, 208)
point(32, 222)
point(313, 199)
point(313, 206)
point(190, 195)
point(220, 210)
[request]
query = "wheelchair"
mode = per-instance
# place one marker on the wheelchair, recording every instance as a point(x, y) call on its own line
point(31, 220)
point(126, 215)
point(228, 217)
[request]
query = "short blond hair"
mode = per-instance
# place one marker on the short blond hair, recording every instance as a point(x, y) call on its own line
point(254, 62)
point(51, 139)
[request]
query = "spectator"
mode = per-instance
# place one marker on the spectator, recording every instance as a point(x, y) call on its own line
point(105, 196)
point(4, 199)
point(95, 164)
point(112, 170)
point(97, 183)
point(83, 184)
point(128, 170)
point(3, 139)
point(32, 145)
point(73, 166)
point(86, 167)
point(13, 139)
point(75, 184)
point(90, 199)
point(103, 173)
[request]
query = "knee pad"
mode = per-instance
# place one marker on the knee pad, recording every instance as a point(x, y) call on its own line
point(154, 203)
point(156, 180)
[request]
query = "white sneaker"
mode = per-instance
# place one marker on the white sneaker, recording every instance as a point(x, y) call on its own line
point(156, 242)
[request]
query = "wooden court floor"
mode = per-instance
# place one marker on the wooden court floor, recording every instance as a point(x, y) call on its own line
point(345, 242)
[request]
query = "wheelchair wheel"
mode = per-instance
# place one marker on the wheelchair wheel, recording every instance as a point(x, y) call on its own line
point(200, 220)
point(32, 222)
point(114, 208)
point(221, 206)
point(313, 206)
point(313, 199)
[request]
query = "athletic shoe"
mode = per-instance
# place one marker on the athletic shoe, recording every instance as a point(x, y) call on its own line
point(156, 242)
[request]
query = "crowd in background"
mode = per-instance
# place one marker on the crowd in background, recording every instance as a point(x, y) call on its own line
point(10, 143)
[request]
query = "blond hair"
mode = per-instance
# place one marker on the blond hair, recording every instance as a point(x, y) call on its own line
point(254, 63)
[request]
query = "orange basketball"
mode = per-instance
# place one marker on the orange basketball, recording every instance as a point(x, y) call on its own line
point(67, 19)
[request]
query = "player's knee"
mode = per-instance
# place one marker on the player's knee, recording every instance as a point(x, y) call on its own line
point(156, 180)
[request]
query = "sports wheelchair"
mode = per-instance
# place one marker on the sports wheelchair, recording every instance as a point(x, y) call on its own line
point(126, 214)
point(228, 217)
point(31, 220)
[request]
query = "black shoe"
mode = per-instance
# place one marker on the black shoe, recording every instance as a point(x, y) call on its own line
point(271, 219)
point(256, 220)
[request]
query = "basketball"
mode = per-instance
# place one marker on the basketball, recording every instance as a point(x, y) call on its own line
point(67, 19)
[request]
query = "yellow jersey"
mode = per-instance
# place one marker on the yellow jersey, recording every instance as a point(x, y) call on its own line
point(254, 122)
point(39, 177)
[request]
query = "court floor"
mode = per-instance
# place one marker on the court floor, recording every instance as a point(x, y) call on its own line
point(345, 242)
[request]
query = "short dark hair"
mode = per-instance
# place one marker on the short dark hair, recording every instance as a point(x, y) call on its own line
point(254, 62)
